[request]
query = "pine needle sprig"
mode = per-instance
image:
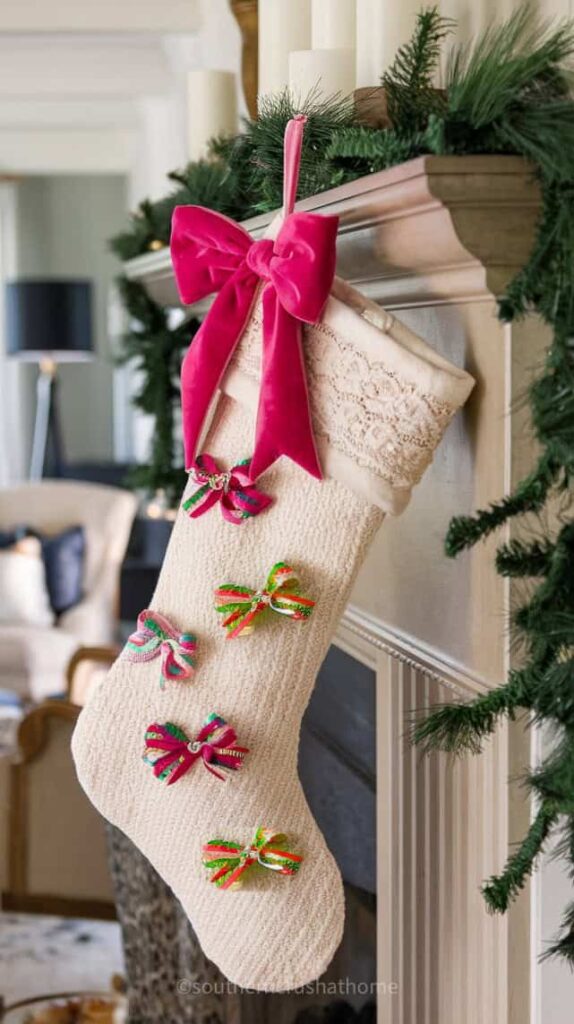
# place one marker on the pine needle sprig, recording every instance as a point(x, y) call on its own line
point(464, 727)
point(506, 65)
point(409, 83)
point(520, 559)
point(530, 496)
point(359, 150)
point(262, 145)
point(563, 946)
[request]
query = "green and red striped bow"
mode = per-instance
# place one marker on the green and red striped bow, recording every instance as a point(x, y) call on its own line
point(230, 860)
point(242, 606)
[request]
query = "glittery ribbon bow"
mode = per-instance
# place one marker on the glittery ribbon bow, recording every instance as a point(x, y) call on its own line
point(238, 498)
point(242, 605)
point(230, 860)
point(213, 254)
point(156, 637)
point(171, 753)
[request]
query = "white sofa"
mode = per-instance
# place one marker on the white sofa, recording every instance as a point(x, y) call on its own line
point(33, 660)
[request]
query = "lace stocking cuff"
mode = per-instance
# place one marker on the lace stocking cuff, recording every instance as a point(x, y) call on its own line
point(380, 397)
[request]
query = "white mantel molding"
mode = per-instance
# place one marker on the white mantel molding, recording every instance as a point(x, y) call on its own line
point(363, 636)
point(435, 230)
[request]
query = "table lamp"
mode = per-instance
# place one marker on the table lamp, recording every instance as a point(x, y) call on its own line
point(48, 322)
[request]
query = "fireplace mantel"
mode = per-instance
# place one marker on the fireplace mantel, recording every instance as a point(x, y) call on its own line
point(438, 229)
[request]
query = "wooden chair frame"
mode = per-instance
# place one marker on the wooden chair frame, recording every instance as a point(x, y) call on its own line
point(32, 739)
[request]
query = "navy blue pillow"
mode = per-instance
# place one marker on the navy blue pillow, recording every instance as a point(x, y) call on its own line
point(64, 556)
point(10, 537)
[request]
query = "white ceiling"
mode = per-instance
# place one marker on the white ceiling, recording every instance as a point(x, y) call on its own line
point(99, 16)
point(77, 78)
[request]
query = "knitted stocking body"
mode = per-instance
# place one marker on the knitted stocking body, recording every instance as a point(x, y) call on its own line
point(379, 407)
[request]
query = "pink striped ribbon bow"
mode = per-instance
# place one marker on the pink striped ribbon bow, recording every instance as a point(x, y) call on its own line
point(171, 753)
point(155, 637)
point(211, 253)
point(238, 498)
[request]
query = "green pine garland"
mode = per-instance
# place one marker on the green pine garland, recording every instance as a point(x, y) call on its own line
point(156, 350)
point(509, 92)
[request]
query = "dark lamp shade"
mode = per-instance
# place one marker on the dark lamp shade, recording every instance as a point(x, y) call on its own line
point(49, 318)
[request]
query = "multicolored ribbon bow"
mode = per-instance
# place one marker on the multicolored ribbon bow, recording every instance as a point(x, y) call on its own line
point(230, 859)
point(238, 498)
point(211, 253)
point(156, 637)
point(171, 753)
point(242, 605)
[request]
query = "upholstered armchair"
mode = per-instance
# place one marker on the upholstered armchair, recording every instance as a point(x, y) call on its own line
point(33, 659)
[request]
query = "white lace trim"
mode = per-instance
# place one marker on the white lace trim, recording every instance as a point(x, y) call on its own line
point(386, 425)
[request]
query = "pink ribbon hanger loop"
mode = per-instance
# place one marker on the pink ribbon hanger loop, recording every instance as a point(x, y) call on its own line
point(211, 253)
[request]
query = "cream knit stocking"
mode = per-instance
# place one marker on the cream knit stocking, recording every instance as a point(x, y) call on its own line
point(274, 932)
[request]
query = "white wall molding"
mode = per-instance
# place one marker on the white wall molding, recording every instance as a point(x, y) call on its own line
point(13, 432)
point(82, 65)
point(72, 112)
point(67, 151)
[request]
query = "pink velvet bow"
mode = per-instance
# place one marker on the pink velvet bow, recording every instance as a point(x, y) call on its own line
point(211, 253)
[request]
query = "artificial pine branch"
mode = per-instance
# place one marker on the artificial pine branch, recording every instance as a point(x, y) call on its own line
point(548, 617)
point(563, 945)
point(507, 66)
point(519, 559)
point(460, 728)
point(501, 889)
point(529, 496)
point(552, 399)
point(553, 779)
point(360, 150)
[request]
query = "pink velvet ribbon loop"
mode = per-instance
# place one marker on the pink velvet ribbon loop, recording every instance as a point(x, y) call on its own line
point(211, 253)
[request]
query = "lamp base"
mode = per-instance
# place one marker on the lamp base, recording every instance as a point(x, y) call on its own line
point(47, 452)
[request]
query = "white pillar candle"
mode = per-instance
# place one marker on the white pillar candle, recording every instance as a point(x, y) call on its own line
point(284, 25)
point(382, 26)
point(333, 24)
point(328, 70)
point(211, 108)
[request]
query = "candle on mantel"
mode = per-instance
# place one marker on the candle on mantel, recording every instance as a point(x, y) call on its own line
point(382, 26)
point(211, 108)
point(284, 25)
point(333, 24)
point(329, 71)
